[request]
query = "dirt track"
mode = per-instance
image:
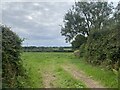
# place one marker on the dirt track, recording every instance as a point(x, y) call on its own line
point(49, 77)
point(80, 75)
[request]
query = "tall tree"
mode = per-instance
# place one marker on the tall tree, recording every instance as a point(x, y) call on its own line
point(84, 17)
point(117, 14)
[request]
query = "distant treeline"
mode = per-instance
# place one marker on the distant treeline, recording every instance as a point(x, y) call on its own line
point(47, 49)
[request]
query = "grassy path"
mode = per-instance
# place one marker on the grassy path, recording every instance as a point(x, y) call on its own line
point(48, 78)
point(80, 75)
point(63, 70)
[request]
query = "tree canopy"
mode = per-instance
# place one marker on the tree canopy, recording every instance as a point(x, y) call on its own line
point(94, 29)
point(84, 17)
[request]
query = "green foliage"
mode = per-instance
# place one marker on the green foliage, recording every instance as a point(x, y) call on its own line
point(85, 16)
point(79, 40)
point(11, 62)
point(82, 49)
point(103, 47)
point(101, 25)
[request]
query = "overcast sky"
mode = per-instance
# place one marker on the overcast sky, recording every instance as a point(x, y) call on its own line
point(38, 22)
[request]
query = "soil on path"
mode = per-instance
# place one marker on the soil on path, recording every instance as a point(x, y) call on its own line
point(80, 75)
point(48, 78)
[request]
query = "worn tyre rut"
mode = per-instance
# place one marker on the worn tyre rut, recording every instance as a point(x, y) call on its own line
point(80, 75)
point(48, 77)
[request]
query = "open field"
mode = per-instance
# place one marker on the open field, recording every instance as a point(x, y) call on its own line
point(63, 70)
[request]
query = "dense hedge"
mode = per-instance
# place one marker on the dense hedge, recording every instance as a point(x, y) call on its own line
point(103, 44)
point(103, 47)
point(11, 62)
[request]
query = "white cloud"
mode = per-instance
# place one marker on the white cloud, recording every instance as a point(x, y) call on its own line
point(36, 4)
point(29, 17)
point(46, 9)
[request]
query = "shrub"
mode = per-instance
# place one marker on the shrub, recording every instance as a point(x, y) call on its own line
point(77, 53)
point(103, 47)
point(11, 62)
point(82, 50)
point(79, 40)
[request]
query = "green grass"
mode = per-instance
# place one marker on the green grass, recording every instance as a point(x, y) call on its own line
point(32, 67)
point(36, 63)
point(105, 77)
point(65, 80)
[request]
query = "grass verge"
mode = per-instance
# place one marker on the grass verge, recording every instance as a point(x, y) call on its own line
point(106, 77)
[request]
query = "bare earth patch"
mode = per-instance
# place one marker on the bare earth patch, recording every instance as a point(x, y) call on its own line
point(48, 78)
point(80, 75)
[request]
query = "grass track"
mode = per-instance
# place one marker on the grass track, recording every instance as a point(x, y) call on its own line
point(38, 64)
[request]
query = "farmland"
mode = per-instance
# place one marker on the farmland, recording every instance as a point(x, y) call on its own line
point(63, 70)
point(34, 54)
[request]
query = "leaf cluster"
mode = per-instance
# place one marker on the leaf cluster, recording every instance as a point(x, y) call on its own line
point(11, 62)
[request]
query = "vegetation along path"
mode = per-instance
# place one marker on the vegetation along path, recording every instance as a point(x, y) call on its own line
point(80, 75)
point(63, 70)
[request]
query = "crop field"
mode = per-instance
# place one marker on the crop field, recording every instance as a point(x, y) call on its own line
point(64, 70)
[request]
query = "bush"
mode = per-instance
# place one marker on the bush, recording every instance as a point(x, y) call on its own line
point(79, 40)
point(11, 62)
point(77, 53)
point(82, 50)
point(103, 47)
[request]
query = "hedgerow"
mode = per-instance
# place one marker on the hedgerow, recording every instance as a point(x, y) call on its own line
point(103, 48)
point(12, 68)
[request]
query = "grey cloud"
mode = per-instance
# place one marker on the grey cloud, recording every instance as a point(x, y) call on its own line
point(37, 0)
point(36, 21)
